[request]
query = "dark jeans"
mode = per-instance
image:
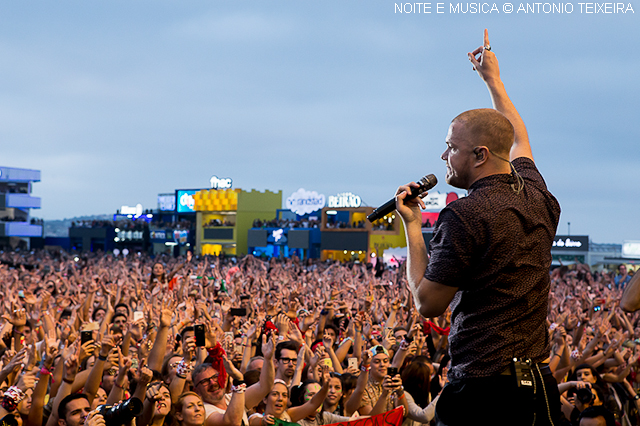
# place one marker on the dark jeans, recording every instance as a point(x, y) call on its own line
point(497, 400)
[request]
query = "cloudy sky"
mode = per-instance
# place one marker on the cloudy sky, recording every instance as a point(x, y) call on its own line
point(117, 101)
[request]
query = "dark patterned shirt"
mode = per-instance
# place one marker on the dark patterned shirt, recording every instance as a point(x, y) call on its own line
point(495, 246)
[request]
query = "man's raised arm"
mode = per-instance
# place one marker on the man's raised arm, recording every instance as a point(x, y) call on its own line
point(485, 63)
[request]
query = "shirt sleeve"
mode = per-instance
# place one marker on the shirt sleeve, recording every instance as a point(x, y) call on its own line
point(418, 414)
point(529, 172)
point(329, 418)
point(533, 179)
point(450, 251)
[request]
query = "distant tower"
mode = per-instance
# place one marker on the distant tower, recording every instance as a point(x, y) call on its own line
point(16, 201)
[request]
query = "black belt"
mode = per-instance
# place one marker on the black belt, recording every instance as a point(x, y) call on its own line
point(543, 366)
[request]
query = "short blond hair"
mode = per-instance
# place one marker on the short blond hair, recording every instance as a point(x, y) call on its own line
point(489, 128)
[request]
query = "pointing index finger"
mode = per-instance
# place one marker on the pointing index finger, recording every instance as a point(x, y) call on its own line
point(486, 38)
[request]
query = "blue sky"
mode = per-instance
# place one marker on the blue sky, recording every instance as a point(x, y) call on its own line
point(117, 101)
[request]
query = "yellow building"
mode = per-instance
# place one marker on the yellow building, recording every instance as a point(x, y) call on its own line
point(224, 217)
point(347, 235)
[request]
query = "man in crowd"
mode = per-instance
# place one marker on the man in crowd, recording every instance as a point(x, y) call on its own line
point(211, 380)
point(378, 371)
point(73, 410)
point(622, 278)
point(490, 256)
point(211, 385)
point(286, 357)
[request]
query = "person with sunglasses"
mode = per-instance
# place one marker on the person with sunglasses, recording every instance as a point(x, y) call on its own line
point(286, 359)
point(211, 386)
point(212, 383)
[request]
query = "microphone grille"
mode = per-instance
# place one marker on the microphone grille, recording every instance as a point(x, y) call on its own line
point(428, 182)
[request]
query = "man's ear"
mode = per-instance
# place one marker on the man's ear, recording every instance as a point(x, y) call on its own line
point(481, 154)
point(62, 422)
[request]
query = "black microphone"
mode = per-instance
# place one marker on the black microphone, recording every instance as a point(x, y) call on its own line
point(426, 183)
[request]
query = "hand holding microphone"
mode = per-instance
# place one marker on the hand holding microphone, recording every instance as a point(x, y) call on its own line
point(410, 191)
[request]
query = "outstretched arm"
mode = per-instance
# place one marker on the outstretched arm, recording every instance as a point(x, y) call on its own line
point(260, 390)
point(485, 63)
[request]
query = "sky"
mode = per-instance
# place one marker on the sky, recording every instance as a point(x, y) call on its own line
point(118, 101)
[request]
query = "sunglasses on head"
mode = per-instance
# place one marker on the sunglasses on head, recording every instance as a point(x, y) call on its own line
point(379, 349)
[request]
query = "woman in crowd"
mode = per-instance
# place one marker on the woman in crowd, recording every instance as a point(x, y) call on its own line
point(416, 380)
point(189, 410)
point(304, 392)
point(159, 274)
point(334, 402)
point(583, 374)
point(585, 395)
point(157, 406)
point(277, 401)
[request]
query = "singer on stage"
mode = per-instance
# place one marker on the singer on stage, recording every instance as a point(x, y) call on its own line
point(489, 258)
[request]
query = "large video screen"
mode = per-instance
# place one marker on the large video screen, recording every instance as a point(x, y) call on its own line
point(185, 201)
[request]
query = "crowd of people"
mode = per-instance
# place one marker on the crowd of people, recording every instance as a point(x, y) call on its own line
point(339, 224)
point(286, 223)
point(218, 222)
point(226, 341)
point(382, 225)
point(127, 224)
point(178, 225)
